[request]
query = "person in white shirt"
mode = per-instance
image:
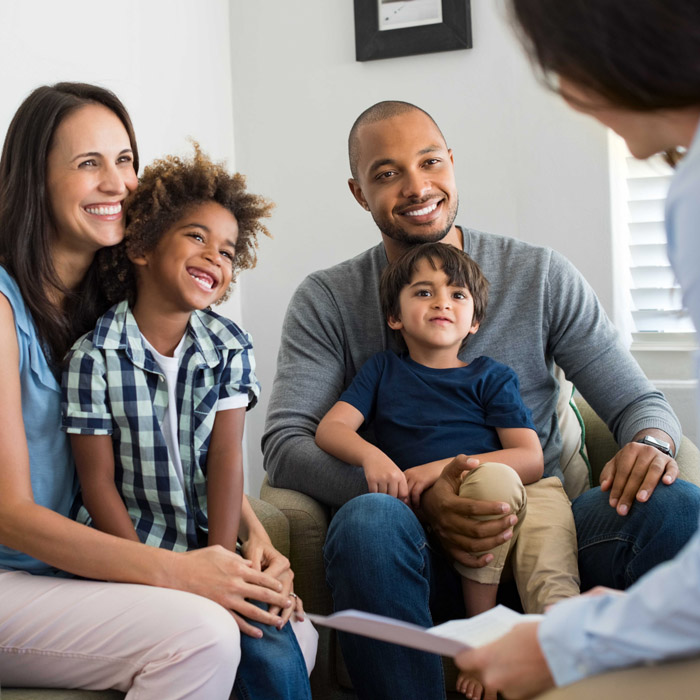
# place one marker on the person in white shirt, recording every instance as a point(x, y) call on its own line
point(635, 68)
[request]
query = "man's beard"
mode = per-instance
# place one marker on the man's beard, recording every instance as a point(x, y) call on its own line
point(396, 233)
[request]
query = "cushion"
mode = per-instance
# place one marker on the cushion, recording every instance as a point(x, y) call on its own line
point(573, 459)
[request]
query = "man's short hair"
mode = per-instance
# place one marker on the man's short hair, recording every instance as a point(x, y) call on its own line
point(460, 269)
point(377, 113)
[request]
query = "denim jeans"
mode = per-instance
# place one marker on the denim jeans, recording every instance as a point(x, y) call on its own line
point(272, 667)
point(379, 559)
point(615, 551)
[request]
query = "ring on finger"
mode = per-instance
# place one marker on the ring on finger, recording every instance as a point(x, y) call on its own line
point(294, 595)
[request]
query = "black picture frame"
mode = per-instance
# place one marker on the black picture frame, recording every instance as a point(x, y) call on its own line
point(454, 32)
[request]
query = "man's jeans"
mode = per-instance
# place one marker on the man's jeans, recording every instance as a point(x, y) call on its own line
point(379, 559)
point(615, 551)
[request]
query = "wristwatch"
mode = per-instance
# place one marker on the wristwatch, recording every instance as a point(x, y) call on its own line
point(661, 445)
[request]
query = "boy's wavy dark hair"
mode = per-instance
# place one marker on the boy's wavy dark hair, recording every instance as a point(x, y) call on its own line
point(170, 187)
point(461, 271)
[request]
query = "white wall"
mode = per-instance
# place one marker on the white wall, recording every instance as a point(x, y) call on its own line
point(167, 60)
point(527, 166)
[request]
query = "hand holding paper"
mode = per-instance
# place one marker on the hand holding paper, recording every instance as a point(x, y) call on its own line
point(447, 639)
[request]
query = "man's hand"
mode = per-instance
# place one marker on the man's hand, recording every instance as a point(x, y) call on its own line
point(383, 476)
point(452, 517)
point(514, 664)
point(634, 472)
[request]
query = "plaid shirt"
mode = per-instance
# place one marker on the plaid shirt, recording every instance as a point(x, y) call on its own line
point(113, 386)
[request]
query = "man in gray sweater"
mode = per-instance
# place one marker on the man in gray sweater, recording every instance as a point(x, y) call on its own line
point(380, 556)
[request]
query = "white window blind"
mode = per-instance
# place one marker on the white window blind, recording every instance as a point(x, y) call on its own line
point(648, 302)
point(656, 297)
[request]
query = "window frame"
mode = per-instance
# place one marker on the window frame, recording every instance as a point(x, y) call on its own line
point(666, 354)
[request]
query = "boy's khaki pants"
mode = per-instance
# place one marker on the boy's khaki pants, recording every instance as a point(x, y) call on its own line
point(543, 552)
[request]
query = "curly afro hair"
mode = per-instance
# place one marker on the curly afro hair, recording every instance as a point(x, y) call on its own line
point(168, 188)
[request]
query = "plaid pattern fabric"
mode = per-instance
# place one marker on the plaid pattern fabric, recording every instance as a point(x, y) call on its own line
point(113, 386)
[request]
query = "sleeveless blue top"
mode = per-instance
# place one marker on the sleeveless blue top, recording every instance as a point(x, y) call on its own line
point(53, 477)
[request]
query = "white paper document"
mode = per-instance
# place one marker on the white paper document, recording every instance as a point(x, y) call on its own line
point(447, 639)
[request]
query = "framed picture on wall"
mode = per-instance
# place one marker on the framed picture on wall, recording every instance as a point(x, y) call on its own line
point(391, 28)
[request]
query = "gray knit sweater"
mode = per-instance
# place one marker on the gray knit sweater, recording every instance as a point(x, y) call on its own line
point(541, 311)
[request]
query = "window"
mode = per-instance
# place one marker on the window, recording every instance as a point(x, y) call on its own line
point(649, 306)
point(654, 306)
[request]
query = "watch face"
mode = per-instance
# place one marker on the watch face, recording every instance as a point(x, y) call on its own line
point(658, 444)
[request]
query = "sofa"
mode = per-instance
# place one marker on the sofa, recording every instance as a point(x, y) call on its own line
point(308, 523)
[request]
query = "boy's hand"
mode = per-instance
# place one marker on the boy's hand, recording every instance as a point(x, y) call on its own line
point(383, 476)
point(421, 478)
point(275, 564)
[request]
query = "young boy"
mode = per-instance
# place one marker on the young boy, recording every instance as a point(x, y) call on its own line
point(427, 406)
point(155, 397)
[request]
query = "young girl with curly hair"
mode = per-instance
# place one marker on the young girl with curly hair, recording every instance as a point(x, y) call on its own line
point(155, 396)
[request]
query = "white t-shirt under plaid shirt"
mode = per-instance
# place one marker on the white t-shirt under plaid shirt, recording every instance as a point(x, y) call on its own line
point(113, 386)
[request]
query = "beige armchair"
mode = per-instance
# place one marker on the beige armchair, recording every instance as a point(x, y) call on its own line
point(308, 523)
point(277, 527)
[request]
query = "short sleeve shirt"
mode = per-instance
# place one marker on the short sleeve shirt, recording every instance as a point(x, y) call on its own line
point(420, 414)
point(113, 386)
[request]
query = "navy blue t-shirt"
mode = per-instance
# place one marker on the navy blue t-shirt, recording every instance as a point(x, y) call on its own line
point(420, 414)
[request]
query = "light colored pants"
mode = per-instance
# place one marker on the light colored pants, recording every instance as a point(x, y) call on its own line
point(678, 680)
point(493, 481)
point(148, 642)
point(543, 552)
point(545, 558)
